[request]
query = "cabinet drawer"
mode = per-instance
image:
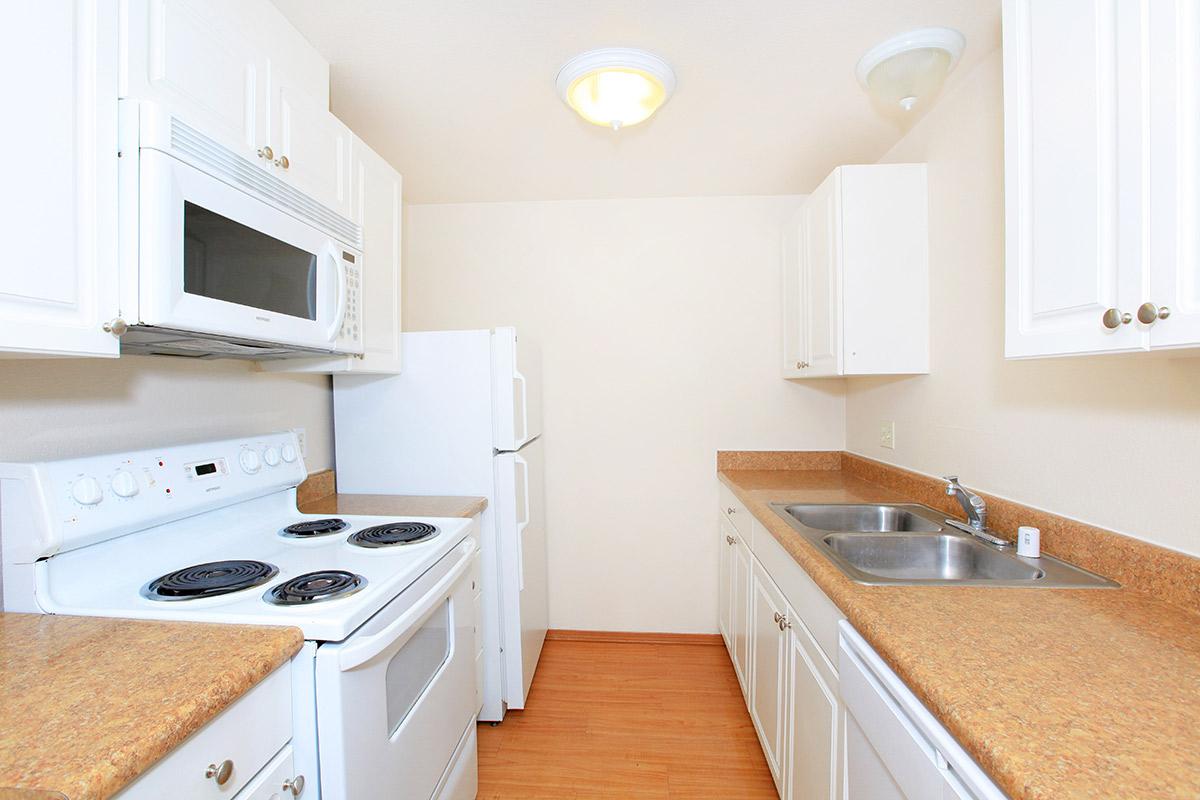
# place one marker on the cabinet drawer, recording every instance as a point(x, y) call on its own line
point(733, 510)
point(814, 607)
point(248, 734)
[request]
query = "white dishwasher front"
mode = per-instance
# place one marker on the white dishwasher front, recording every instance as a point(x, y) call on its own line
point(895, 748)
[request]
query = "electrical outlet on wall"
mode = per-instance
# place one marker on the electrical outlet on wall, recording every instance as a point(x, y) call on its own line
point(887, 434)
point(303, 440)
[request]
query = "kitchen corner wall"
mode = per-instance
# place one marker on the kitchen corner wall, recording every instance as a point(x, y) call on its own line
point(659, 326)
point(63, 408)
point(1112, 440)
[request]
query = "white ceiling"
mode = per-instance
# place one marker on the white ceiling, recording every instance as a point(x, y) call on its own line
point(459, 94)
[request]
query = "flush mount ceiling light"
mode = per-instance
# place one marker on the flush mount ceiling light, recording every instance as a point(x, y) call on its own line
point(615, 86)
point(905, 72)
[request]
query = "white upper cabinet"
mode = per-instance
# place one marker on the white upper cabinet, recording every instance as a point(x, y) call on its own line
point(244, 76)
point(61, 60)
point(856, 275)
point(190, 60)
point(1072, 176)
point(1101, 175)
point(312, 146)
point(1174, 146)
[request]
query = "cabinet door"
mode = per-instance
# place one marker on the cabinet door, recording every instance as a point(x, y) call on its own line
point(1174, 246)
point(315, 144)
point(724, 574)
point(57, 295)
point(768, 667)
point(739, 611)
point(822, 282)
point(814, 713)
point(189, 57)
point(268, 784)
point(1073, 175)
point(792, 318)
point(377, 209)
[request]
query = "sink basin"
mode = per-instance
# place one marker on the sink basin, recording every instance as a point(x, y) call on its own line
point(943, 557)
point(908, 544)
point(864, 518)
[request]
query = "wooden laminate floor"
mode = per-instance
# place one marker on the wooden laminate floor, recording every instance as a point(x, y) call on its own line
point(615, 720)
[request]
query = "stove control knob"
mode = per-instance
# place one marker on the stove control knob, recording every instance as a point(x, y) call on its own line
point(87, 491)
point(271, 456)
point(250, 461)
point(124, 484)
point(289, 453)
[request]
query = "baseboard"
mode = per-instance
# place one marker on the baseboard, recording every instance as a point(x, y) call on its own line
point(634, 637)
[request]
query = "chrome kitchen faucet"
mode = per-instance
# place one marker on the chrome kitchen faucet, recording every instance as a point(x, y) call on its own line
point(975, 508)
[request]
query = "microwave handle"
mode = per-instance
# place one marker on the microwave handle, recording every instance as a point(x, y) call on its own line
point(339, 269)
point(362, 651)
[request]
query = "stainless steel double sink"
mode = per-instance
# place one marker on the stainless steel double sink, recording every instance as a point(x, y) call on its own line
point(909, 544)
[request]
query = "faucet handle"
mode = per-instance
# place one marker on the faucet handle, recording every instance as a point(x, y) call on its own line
point(950, 478)
point(951, 484)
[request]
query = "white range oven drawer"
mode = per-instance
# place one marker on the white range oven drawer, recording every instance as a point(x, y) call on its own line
point(247, 734)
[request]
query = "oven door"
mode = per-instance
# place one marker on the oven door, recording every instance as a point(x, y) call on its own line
point(395, 698)
point(215, 259)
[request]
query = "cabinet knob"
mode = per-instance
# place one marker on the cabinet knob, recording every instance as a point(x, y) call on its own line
point(784, 624)
point(1113, 318)
point(282, 161)
point(266, 152)
point(729, 539)
point(730, 510)
point(117, 327)
point(294, 785)
point(777, 617)
point(220, 772)
point(1148, 313)
point(801, 365)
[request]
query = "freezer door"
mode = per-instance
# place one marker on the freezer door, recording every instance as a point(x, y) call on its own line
point(517, 390)
point(521, 529)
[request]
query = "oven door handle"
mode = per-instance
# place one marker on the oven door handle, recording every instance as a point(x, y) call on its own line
point(362, 651)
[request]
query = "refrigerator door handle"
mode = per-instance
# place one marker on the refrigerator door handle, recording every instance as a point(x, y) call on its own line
point(524, 408)
point(524, 523)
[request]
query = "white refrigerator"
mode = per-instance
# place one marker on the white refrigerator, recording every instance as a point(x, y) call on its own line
point(464, 418)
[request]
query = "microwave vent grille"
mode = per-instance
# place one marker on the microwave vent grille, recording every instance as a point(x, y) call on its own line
point(218, 160)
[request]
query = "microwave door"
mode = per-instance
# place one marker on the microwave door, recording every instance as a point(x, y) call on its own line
point(217, 260)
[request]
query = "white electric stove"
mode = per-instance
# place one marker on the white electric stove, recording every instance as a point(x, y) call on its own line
point(386, 688)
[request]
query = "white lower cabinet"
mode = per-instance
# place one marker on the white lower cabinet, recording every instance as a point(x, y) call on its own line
point(835, 723)
point(768, 667)
point(815, 718)
point(739, 611)
point(230, 753)
point(276, 781)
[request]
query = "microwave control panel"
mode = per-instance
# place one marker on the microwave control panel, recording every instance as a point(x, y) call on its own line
point(350, 334)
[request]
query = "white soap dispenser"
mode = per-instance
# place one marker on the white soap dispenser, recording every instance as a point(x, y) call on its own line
point(1029, 542)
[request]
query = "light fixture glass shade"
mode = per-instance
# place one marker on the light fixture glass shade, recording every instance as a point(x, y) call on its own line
point(615, 86)
point(905, 73)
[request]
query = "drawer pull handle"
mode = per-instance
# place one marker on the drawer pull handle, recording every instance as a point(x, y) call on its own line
point(220, 772)
point(295, 785)
point(729, 539)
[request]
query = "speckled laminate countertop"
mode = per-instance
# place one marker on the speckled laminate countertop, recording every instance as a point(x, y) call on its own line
point(89, 703)
point(1057, 693)
point(394, 505)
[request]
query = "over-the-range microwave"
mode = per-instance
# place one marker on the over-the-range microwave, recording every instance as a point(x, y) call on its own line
point(221, 258)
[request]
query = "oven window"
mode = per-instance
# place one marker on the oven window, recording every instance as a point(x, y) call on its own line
point(416, 664)
point(225, 260)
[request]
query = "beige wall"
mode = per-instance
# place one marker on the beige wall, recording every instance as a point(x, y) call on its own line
point(66, 407)
point(659, 325)
point(1114, 441)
